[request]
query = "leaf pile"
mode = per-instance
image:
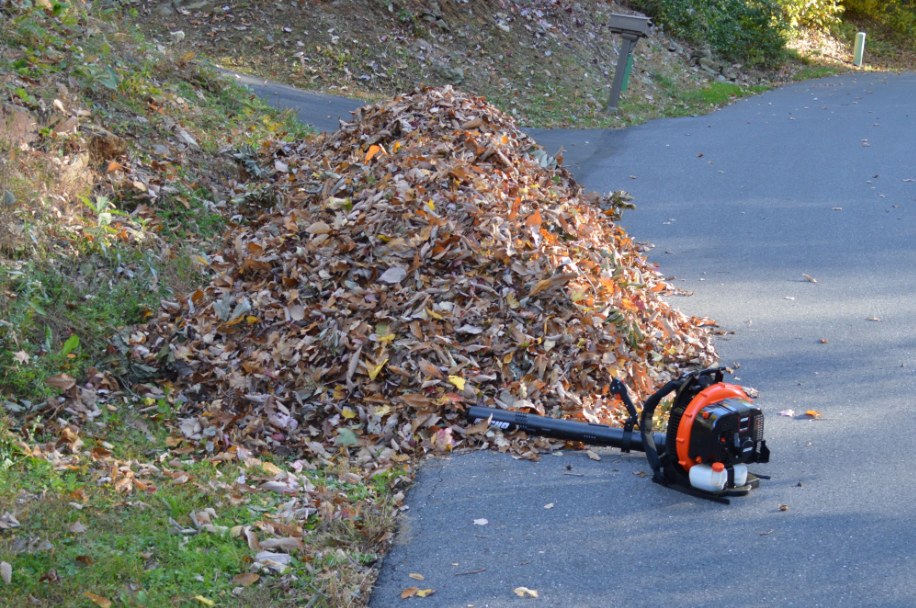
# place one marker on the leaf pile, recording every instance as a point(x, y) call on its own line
point(428, 255)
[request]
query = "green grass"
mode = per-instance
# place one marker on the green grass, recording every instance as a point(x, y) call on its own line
point(718, 94)
point(821, 71)
point(130, 554)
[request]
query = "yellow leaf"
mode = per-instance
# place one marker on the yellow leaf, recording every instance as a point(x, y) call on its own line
point(457, 381)
point(415, 576)
point(204, 600)
point(813, 413)
point(99, 600)
point(377, 369)
point(271, 468)
point(348, 413)
point(513, 301)
point(382, 411)
point(425, 592)
point(525, 592)
point(396, 146)
point(373, 150)
point(431, 205)
point(251, 320)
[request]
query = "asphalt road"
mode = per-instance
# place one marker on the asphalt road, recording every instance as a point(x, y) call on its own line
point(814, 178)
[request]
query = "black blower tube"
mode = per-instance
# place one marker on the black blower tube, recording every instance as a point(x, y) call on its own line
point(586, 432)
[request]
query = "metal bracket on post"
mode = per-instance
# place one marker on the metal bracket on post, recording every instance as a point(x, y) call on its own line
point(631, 29)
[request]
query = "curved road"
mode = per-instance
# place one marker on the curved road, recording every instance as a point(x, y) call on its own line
point(816, 178)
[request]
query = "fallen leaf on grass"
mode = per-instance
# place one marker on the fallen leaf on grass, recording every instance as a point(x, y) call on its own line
point(6, 571)
point(63, 382)
point(204, 601)
point(78, 527)
point(245, 579)
point(415, 576)
point(480, 522)
point(592, 455)
point(8, 520)
point(104, 602)
point(525, 592)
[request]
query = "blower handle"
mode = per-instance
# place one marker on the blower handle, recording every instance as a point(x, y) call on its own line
point(645, 425)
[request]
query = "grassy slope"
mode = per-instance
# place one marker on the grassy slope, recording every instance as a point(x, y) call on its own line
point(549, 64)
point(84, 253)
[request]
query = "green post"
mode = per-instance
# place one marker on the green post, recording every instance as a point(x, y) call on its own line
point(626, 74)
point(859, 50)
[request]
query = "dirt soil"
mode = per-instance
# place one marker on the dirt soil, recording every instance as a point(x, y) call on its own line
point(548, 63)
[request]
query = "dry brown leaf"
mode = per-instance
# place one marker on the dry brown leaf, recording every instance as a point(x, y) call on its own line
point(78, 528)
point(245, 579)
point(63, 382)
point(409, 592)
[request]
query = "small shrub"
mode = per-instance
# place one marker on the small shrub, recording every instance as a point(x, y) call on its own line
point(816, 14)
point(751, 31)
point(899, 17)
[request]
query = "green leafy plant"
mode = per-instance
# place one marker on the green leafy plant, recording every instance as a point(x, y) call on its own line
point(752, 31)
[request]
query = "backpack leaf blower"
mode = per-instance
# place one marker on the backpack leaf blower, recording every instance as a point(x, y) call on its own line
point(714, 432)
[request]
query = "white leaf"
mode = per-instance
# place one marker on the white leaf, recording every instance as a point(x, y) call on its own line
point(787, 413)
point(592, 455)
point(393, 275)
point(469, 329)
point(480, 522)
point(6, 571)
